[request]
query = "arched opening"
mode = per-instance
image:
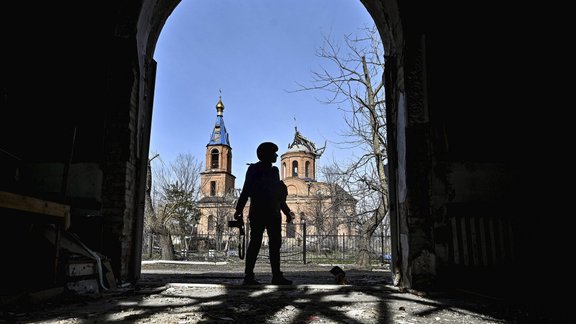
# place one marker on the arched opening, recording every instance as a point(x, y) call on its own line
point(229, 161)
point(251, 115)
point(295, 169)
point(255, 110)
point(213, 188)
point(214, 159)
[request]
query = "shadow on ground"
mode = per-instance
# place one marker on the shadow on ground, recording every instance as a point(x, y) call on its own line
point(212, 293)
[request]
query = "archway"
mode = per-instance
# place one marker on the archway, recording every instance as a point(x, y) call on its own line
point(246, 93)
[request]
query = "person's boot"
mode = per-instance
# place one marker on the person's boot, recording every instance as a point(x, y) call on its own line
point(278, 279)
point(249, 280)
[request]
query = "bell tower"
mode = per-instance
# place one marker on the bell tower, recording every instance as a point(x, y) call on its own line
point(299, 161)
point(217, 179)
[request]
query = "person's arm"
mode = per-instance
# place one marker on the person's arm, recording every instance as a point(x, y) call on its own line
point(286, 210)
point(283, 205)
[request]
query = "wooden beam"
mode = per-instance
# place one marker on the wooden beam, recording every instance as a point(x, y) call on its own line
point(35, 205)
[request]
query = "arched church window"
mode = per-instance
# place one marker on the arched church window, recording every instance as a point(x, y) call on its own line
point(212, 188)
point(283, 170)
point(214, 158)
point(307, 169)
point(295, 169)
point(229, 162)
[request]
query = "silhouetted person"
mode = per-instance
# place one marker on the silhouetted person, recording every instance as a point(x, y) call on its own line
point(267, 198)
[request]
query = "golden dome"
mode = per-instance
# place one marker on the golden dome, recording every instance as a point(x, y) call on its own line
point(220, 107)
point(220, 104)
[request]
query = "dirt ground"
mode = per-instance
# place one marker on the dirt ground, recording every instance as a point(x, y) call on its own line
point(184, 292)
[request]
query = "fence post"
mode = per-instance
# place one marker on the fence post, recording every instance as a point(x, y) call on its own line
point(304, 241)
point(344, 246)
point(382, 244)
point(151, 247)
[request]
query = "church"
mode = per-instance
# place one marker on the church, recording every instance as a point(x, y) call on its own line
point(325, 209)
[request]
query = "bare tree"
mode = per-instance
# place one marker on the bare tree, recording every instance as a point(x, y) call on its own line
point(221, 210)
point(149, 215)
point(173, 201)
point(342, 208)
point(354, 83)
point(328, 212)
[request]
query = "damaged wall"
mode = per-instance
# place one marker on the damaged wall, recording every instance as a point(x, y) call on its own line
point(77, 114)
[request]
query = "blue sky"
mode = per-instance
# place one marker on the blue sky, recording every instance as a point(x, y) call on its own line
point(253, 52)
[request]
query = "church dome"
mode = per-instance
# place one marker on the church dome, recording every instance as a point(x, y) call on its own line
point(302, 144)
point(299, 148)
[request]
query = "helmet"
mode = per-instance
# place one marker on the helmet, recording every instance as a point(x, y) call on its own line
point(266, 149)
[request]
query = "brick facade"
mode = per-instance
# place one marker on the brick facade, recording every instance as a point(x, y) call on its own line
point(326, 208)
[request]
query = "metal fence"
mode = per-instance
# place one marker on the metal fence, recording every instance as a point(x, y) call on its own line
point(298, 246)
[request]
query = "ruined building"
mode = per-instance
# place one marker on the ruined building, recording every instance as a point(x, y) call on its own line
point(475, 141)
point(325, 207)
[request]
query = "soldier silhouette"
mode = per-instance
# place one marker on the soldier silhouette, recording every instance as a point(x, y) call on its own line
point(267, 195)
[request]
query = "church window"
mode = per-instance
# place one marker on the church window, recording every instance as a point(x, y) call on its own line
point(307, 169)
point(295, 169)
point(212, 188)
point(229, 162)
point(214, 157)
